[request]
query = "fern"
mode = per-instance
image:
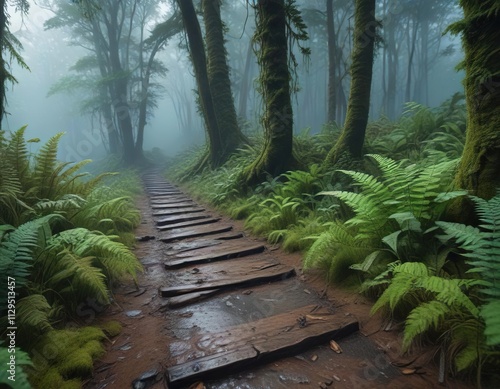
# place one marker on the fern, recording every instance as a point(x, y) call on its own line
point(113, 258)
point(16, 251)
point(33, 315)
point(483, 250)
point(22, 360)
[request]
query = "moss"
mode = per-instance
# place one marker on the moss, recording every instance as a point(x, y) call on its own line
point(94, 348)
point(111, 328)
point(52, 379)
point(67, 353)
point(77, 364)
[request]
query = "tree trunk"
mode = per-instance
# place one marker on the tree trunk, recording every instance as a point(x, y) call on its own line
point(3, 71)
point(218, 78)
point(332, 81)
point(197, 52)
point(479, 169)
point(410, 60)
point(350, 143)
point(276, 156)
point(245, 83)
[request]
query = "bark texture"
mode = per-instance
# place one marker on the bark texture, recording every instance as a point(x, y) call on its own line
point(479, 169)
point(350, 143)
point(276, 156)
point(218, 78)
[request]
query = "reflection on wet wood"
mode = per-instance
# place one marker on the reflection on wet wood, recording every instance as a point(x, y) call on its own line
point(260, 341)
point(178, 211)
point(193, 232)
point(184, 204)
point(189, 223)
point(181, 218)
point(228, 250)
point(190, 298)
point(239, 272)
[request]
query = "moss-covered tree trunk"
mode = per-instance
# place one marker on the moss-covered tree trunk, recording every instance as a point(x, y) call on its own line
point(332, 71)
point(270, 34)
point(218, 78)
point(479, 169)
point(198, 58)
point(350, 144)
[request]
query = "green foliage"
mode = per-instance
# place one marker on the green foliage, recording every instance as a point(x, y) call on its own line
point(63, 357)
point(482, 247)
point(113, 258)
point(16, 252)
point(435, 305)
point(22, 360)
point(393, 217)
point(422, 133)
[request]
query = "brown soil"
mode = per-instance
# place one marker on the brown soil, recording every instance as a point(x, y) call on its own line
point(146, 339)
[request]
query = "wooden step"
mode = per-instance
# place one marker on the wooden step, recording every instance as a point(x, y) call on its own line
point(228, 250)
point(228, 274)
point(257, 342)
point(199, 243)
point(173, 205)
point(181, 218)
point(189, 223)
point(193, 232)
point(177, 211)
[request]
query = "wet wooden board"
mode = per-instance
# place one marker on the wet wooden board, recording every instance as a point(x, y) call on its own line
point(228, 250)
point(190, 298)
point(190, 223)
point(239, 272)
point(257, 342)
point(171, 200)
point(181, 204)
point(198, 243)
point(165, 193)
point(194, 232)
point(177, 211)
point(181, 218)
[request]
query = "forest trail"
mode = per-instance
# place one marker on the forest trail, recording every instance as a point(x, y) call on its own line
point(218, 309)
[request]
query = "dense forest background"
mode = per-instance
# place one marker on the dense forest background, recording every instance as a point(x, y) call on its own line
point(362, 133)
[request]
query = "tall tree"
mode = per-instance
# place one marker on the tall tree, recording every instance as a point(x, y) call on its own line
point(479, 169)
point(199, 60)
point(272, 25)
point(9, 45)
point(332, 71)
point(218, 78)
point(350, 142)
point(114, 34)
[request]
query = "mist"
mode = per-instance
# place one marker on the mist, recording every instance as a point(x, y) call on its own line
point(174, 123)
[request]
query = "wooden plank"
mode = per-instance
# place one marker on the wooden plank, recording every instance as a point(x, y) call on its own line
point(198, 243)
point(226, 251)
point(172, 200)
point(181, 218)
point(194, 232)
point(231, 278)
point(164, 193)
point(190, 298)
point(190, 223)
point(177, 211)
point(183, 204)
point(270, 338)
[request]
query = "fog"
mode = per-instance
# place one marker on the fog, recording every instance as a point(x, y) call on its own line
point(175, 124)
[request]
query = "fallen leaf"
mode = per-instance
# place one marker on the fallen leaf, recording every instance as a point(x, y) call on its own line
point(312, 317)
point(314, 358)
point(198, 385)
point(336, 378)
point(408, 371)
point(335, 346)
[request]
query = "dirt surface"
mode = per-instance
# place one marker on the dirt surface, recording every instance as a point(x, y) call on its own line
point(153, 335)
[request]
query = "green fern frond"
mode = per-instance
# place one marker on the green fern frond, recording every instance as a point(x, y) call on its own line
point(422, 318)
point(22, 359)
point(16, 251)
point(114, 258)
point(33, 313)
point(489, 313)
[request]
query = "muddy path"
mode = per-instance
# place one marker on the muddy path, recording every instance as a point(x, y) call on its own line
point(218, 308)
